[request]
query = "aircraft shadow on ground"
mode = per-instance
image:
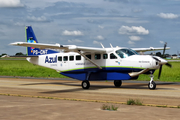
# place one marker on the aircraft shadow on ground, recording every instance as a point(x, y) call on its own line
point(98, 87)
point(54, 83)
point(63, 91)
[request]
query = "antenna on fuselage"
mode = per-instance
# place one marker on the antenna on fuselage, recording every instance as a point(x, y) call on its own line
point(102, 45)
point(111, 45)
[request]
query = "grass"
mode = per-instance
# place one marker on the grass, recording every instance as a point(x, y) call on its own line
point(164, 106)
point(134, 102)
point(109, 107)
point(26, 69)
point(178, 106)
point(167, 75)
point(14, 67)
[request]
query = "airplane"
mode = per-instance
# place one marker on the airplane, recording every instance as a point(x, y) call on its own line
point(93, 64)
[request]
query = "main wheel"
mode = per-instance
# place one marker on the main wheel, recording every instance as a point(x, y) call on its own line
point(152, 85)
point(85, 84)
point(117, 83)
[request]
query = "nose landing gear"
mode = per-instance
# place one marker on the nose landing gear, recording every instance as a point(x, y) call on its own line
point(152, 84)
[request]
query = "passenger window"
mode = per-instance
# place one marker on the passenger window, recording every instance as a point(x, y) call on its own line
point(59, 58)
point(88, 56)
point(97, 56)
point(71, 58)
point(112, 56)
point(65, 58)
point(78, 57)
point(105, 56)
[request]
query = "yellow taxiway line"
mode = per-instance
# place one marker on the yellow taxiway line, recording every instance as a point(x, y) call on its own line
point(86, 100)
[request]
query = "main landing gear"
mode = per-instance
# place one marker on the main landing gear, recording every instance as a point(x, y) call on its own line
point(152, 84)
point(117, 83)
point(85, 84)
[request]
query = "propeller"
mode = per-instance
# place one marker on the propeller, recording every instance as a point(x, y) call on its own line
point(164, 49)
point(160, 69)
point(168, 64)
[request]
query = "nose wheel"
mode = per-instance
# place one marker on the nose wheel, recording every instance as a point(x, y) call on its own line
point(152, 84)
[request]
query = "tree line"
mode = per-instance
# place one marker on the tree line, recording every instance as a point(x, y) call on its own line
point(165, 55)
point(17, 54)
point(157, 54)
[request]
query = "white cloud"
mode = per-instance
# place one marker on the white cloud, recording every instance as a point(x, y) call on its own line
point(72, 33)
point(11, 3)
point(19, 24)
point(75, 41)
point(96, 42)
point(131, 42)
point(162, 42)
point(135, 38)
point(99, 37)
point(137, 10)
point(37, 19)
point(102, 27)
point(168, 15)
point(133, 30)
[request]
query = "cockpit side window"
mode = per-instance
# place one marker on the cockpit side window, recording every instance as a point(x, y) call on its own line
point(124, 53)
point(134, 51)
point(120, 54)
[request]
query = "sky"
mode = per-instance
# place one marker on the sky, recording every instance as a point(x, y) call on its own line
point(123, 23)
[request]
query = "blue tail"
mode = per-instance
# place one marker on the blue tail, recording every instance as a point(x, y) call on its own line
point(31, 38)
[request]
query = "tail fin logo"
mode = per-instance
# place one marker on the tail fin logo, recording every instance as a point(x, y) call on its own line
point(31, 41)
point(31, 38)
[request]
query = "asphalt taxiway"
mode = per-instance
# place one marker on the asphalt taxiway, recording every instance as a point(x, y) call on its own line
point(16, 99)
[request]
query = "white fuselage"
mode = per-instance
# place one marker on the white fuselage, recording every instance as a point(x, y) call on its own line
point(72, 61)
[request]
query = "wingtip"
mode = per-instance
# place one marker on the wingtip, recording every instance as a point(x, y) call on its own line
point(15, 43)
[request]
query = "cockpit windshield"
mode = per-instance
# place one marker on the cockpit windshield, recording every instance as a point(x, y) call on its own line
point(124, 53)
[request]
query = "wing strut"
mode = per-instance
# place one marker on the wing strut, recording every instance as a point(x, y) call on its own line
point(89, 60)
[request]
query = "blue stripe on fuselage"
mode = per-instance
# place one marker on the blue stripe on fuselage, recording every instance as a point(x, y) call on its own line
point(107, 73)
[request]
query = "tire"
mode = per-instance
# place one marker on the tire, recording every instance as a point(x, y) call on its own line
point(85, 84)
point(152, 85)
point(117, 83)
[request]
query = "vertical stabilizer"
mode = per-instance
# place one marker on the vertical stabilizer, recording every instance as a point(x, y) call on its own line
point(31, 38)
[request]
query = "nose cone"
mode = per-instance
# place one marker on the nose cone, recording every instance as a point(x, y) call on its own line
point(163, 61)
point(160, 60)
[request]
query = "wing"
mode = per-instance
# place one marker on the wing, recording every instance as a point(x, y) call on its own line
point(149, 49)
point(66, 48)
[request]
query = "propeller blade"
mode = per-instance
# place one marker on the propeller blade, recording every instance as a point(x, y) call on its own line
point(160, 69)
point(169, 65)
point(164, 49)
point(156, 59)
